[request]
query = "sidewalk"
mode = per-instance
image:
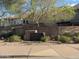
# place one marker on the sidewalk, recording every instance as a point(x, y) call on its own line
point(38, 51)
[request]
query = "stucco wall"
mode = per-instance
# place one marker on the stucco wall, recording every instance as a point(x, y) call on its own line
point(71, 29)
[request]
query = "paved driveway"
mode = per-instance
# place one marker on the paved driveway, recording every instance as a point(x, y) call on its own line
point(38, 51)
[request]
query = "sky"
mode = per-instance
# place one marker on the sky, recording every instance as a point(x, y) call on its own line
point(59, 3)
point(67, 2)
point(71, 1)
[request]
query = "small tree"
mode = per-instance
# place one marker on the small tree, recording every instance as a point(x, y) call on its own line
point(52, 14)
point(55, 15)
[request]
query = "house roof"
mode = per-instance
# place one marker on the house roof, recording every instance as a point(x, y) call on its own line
point(16, 17)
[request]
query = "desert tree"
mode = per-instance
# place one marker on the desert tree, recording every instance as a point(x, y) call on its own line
point(45, 11)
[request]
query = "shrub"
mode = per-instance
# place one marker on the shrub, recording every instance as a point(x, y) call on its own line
point(14, 38)
point(56, 38)
point(65, 38)
point(45, 38)
point(67, 34)
point(76, 38)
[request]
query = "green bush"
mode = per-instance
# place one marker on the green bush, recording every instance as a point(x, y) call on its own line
point(14, 38)
point(65, 38)
point(67, 34)
point(76, 38)
point(45, 38)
